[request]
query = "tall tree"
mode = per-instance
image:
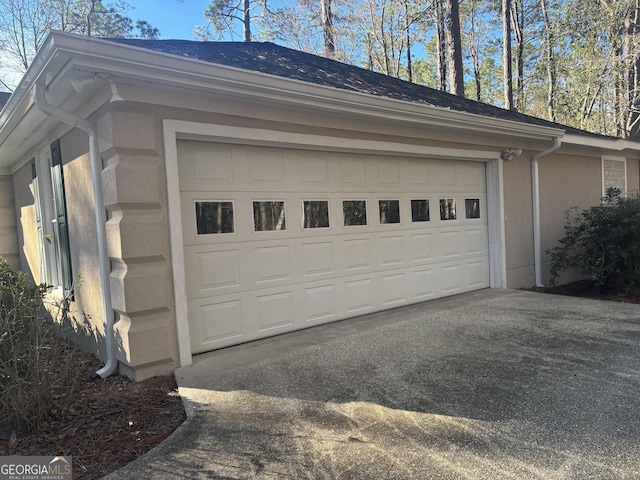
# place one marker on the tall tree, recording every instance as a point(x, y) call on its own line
point(24, 25)
point(223, 14)
point(441, 46)
point(506, 54)
point(327, 28)
point(550, 61)
point(518, 23)
point(454, 47)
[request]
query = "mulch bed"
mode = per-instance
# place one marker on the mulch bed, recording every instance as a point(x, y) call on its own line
point(585, 289)
point(107, 423)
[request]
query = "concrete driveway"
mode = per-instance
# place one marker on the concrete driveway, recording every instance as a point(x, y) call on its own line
point(496, 384)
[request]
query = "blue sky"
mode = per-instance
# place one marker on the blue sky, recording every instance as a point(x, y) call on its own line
point(174, 18)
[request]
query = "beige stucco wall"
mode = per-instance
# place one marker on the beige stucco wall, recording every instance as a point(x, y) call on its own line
point(138, 242)
point(26, 222)
point(8, 234)
point(138, 236)
point(568, 178)
point(83, 322)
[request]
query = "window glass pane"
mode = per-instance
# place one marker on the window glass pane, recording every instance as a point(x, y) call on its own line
point(420, 210)
point(268, 216)
point(472, 207)
point(315, 213)
point(214, 217)
point(355, 212)
point(389, 211)
point(448, 209)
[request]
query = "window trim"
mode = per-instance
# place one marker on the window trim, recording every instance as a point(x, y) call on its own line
point(195, 217)
point(479, 217)
point(50, 202)
point(455, 203)
point(419, 199)
point(311, 229)
point(253, 218)
point(386, 199)
point(366, 212)
point(616, 159)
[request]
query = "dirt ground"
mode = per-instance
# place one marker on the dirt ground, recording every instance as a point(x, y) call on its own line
point(106, 423)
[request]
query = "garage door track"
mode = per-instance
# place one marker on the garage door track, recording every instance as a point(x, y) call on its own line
point(496, 384)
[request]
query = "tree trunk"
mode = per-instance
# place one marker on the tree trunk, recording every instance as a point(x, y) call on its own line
point(407, 25)
point(551, 63)
point(632, 129)
point(517, 17)
point(441, 47)
point(474, 51)
point(246, 17)
point(454, 47)
point(327, 29)
point(506, 54)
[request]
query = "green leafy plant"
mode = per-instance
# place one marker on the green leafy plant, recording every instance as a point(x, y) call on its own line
point(603, 244)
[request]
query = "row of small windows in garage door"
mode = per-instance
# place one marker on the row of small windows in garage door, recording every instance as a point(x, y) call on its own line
point(218, 216)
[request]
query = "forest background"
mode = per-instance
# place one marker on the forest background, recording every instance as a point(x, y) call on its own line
point(575, 62)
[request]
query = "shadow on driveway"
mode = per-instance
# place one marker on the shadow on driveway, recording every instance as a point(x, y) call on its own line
point(496, 384)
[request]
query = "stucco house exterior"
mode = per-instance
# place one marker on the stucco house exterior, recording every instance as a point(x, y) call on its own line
point(185, 196)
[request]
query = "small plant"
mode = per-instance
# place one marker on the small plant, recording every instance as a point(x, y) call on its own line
point(603, 244)
point(28, 347)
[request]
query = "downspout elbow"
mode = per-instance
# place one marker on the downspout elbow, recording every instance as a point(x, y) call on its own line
point(44, 106)
point(535, 191)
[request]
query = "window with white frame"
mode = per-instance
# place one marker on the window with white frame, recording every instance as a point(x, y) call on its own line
point(51, 217)
point(614, 174)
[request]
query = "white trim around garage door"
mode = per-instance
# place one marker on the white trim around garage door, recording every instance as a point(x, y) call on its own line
point(174, 130)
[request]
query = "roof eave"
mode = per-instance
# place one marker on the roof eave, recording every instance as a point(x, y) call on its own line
point(135, 64)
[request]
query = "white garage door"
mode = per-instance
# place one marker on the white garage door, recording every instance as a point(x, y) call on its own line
point(277, 240)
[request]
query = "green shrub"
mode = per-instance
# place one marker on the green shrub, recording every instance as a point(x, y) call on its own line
point(603, 244)
point(28, 347)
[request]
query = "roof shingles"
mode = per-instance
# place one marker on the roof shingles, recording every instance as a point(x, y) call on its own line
point(272, 59)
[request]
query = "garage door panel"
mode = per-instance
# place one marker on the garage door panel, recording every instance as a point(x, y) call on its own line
point(272, 263)
point(357, 254)
point(388, 174)
point(319, 303)
point(215, 323)
point(270, 271)
point(274, 311)
point(392, 250)
point(394, 289)
point(449, 244)
point(423, 284)
point(477, 274)
point(318, 258)
point(476, 241)
point(359, 295)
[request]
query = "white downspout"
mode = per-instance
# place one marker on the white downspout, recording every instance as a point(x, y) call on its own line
point(100, 216)
point(535, 191)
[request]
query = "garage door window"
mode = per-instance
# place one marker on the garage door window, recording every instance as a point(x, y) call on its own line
point(268, 215)
point(389, 211)
point(315, 214)
point(448, 209)
point(472, 207)
point(420, 210)
point(214, 217)
point(355, 212)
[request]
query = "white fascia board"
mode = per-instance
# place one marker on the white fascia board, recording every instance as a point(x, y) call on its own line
point(615, 144)
point(161, 69)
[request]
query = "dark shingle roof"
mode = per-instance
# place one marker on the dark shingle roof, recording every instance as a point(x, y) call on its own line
point(4, 98)
point(284, 62)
